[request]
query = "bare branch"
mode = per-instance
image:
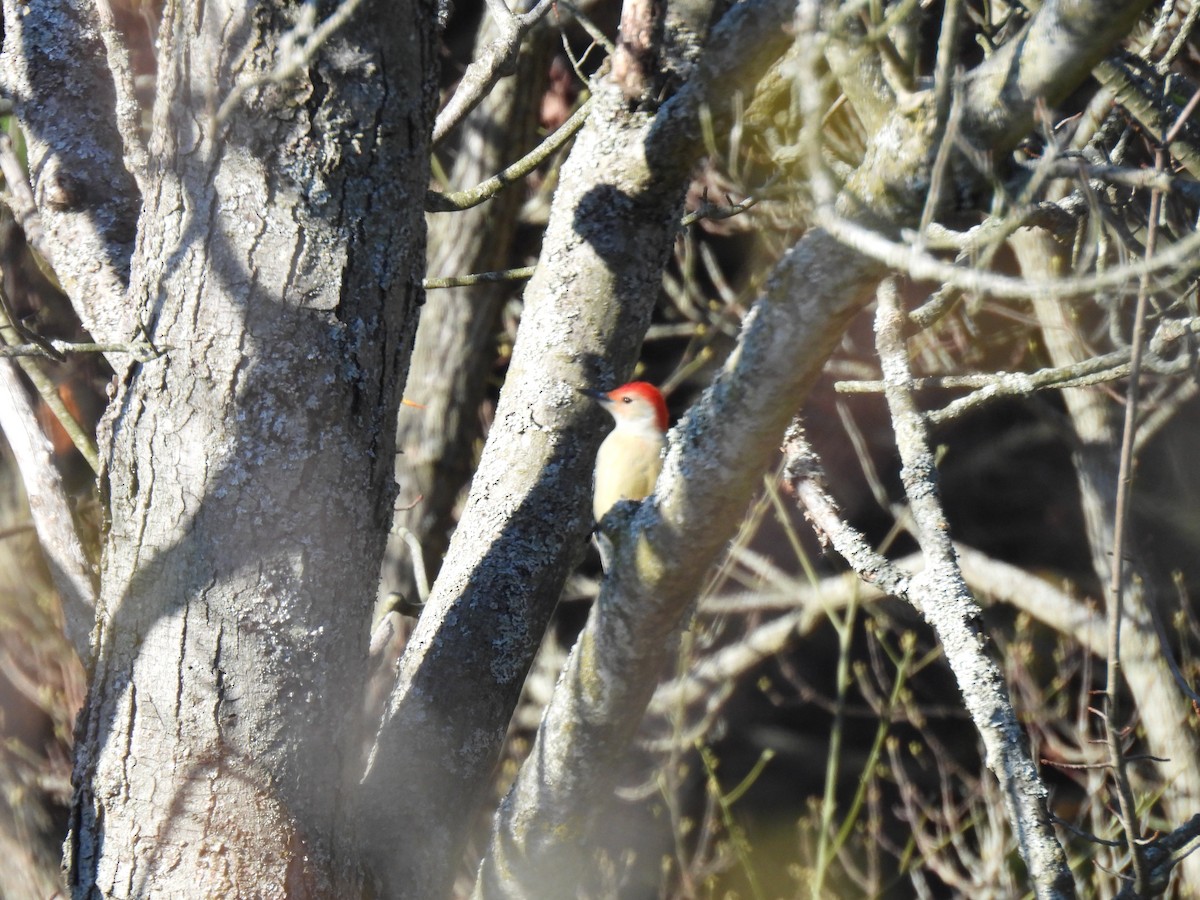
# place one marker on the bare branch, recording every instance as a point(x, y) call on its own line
point(142, 352)
point(128, 110)
point(711, 467)
point(611, 229)
point(87, 201)
point(804, 605)
point(1026, 73)
point(1163, 714)
point(493, 63)
point(457, 201)
point(1139, 89)
point(69, 567)
point(1177, 263)
point(19, 199)
point(1138, 179)
point(1093, 370)
point(950, 609)
point(457, 281)
point(84, 442)
point(715, 211)
point(1162, 856)
point(1126, 805)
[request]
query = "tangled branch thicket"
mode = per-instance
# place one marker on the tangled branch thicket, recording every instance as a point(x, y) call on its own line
point(1026, 478)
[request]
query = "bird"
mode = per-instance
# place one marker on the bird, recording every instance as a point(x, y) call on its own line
point(630, 458)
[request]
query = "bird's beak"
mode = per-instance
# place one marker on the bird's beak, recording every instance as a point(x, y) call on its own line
point(598, 396)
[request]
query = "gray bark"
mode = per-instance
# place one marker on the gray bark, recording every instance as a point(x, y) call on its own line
point(940, 592)
point(54, 69)
point(525, 520)
point(248, 471)
point(73, 574)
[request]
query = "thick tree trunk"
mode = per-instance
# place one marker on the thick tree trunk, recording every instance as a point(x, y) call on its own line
point(249, 469)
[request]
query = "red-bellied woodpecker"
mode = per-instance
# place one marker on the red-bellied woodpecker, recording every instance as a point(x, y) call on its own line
point(630, 458)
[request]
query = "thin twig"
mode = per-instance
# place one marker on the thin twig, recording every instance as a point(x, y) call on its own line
point(19, 199)
point(995, 385)
point(140, 350)
point(948, 109)
point(1180, 40)
point(1163, 855)
point(14, 530)
point(457, 201)
point(715, 211)
point(590, 27)
point(1126, 806)
point(84, 442)
point(954, 615)
point(1138, 179)
point(1121, 521)
point(455, 281)
point(1179, 262)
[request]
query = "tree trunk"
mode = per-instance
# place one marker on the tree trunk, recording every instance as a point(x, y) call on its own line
point(249, 468)
point(455, 347)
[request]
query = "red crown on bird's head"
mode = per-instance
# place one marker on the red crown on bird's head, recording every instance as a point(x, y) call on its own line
point(645, 391)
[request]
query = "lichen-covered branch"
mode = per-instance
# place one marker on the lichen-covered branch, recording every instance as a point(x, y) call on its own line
point(947, 604)
point(494, 61)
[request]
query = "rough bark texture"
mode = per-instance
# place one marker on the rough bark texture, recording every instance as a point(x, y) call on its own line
point(54, 70)
point(526, 518)
point(248, 470)
point(941, 594)
point(540, 837)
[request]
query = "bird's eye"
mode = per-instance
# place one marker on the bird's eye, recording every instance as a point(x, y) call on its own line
point(626, 399)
